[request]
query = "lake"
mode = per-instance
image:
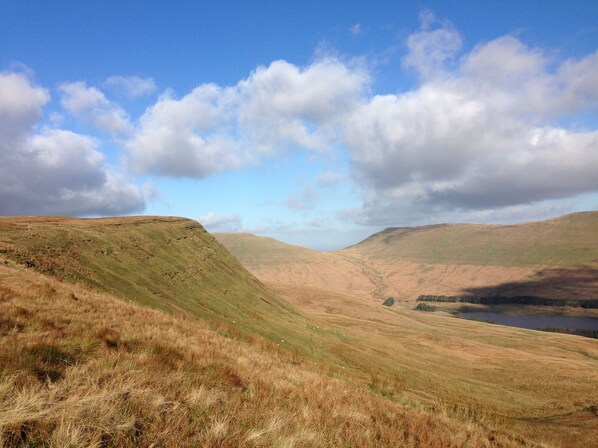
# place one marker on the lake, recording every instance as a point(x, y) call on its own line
point(535, 322)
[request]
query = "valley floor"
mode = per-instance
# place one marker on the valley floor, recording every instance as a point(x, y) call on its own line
point(541, 385)
point(81, 368)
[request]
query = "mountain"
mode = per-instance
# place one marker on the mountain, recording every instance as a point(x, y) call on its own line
point(145, 326)
point(557, 258)
point(167, 263)
point(564, 242)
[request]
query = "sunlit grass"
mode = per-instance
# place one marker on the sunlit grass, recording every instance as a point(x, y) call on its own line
point(80, 368)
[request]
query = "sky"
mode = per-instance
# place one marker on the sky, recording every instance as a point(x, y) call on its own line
point(314, 122)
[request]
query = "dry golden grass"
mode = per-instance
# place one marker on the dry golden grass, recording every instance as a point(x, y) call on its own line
point(537, 384)
point(81, 368)
point(334, 370)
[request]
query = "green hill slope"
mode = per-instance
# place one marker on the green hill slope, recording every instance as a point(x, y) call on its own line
point(562, 242)
point(171, 264)
point(252, 250)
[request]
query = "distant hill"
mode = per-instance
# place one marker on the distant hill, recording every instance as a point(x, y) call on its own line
point(252, 250)
point(564, 242)
point(273, 261)
point(557, 258)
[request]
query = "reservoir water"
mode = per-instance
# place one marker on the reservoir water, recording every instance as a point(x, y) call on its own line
point(535, 322)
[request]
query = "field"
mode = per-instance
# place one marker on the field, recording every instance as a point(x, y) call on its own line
point(223, 360)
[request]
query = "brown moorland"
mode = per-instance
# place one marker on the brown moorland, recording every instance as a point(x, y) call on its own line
point(81, 368)
point(513, 385)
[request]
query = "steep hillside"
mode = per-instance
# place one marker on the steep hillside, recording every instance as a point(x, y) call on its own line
point(557, 258)
point(275, 262)
point(80, 368)
point(171, 264)
point(515, 384)
point(563, 242)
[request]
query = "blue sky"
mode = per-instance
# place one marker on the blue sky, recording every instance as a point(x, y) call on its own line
point(317, 123)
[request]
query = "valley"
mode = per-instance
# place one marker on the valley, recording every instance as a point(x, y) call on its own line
point(91, 307)
point(554, 259)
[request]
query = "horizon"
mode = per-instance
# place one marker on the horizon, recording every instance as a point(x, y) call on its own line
point(313, 123)
point(409, 227)
point(350, 244)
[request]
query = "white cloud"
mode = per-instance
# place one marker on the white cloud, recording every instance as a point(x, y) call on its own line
point(432, 47)
point(214, 128)
point(91, 105)
point(221, 223)
point(504, 62)
point(187, 136)
point(131, 86)
point(20, 106)
point(485, 134)
point(282, 104)
point(52, 171)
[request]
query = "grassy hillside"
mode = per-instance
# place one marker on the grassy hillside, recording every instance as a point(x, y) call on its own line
point(527, 384)
point(80, 368)
point(562, 242)
point(253, 251)
point(275, 262)
point(557, 259)
point(171, 264)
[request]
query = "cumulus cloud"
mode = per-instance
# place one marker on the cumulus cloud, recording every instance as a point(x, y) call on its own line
point(487, 133)
point(52, 171)
point(91, 105)
point(221, 223)
point(431, 48)
point(215, 128)
point(20, 106)
point(186, 137)
point(131, 86)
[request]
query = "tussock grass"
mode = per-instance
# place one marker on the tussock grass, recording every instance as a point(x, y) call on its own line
point(340, 372)
point(129, 376)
